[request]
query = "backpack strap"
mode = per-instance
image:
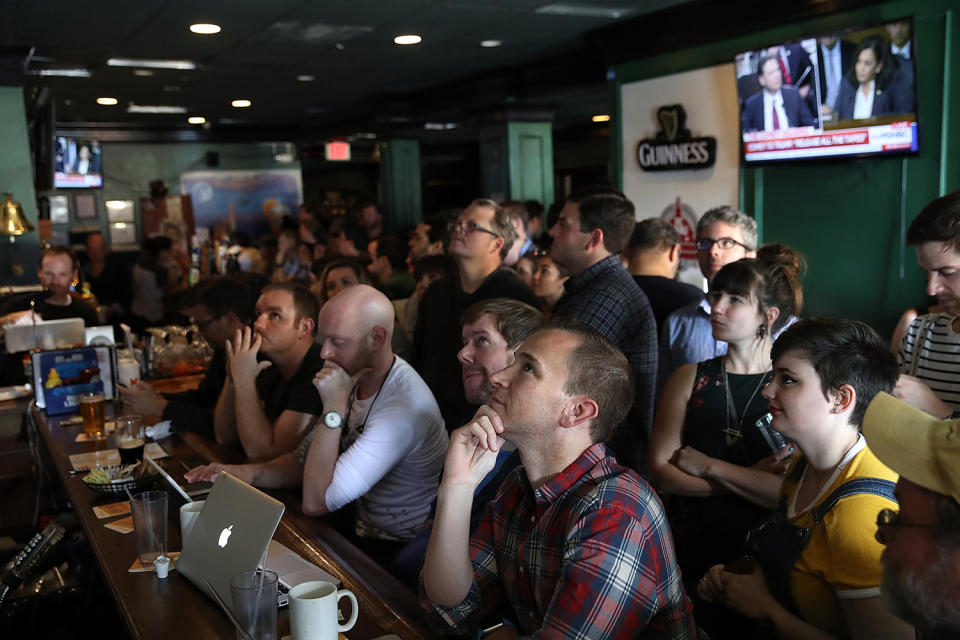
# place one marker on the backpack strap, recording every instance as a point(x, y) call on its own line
point(873, 486)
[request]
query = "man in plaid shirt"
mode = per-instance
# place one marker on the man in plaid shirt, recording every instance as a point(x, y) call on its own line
point(593, 228)
point(574, 545)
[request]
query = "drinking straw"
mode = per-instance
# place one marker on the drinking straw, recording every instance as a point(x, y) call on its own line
point(226, 610)
point(173, 483)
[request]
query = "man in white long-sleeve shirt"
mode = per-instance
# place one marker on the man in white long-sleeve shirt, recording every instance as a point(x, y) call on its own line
point(381, 441)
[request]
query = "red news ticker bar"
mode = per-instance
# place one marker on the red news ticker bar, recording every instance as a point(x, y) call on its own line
point(837, 139)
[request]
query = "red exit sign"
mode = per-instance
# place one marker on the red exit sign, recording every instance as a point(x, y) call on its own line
point(338, 151)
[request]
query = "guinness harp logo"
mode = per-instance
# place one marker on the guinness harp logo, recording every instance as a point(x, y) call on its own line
point(674, 148)
point(670, 121)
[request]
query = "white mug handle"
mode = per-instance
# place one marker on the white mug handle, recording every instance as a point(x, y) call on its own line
point(354, 609)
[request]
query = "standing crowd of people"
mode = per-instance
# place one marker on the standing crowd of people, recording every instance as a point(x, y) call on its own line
point(548, 435)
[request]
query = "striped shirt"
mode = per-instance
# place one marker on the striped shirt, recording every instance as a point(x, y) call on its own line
point(931, 351)
point(586, 555)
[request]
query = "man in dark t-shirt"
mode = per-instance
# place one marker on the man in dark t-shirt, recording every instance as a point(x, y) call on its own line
point(267, 406)
point(219, 307)
point(653, 257)
point(58, 269)
point(480, 239)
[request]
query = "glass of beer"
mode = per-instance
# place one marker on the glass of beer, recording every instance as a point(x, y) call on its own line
point(92, 407)
point(129, 437)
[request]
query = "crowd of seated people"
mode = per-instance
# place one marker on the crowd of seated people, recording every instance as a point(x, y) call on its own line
point(490, 441)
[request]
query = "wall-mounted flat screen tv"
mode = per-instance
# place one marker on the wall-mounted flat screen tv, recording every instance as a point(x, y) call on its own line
point(78, 164)
point(847, 92)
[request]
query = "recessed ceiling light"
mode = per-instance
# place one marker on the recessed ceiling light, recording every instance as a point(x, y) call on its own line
point(305, 78)
point(151, 63)
point(408, 39)
point(204, 28)
point(143, 73)
point(63, 73)
point(488, 44)
point(196, 119)
point(107, 101)
point(241, 103)
point(601, 118)
point(154, 108)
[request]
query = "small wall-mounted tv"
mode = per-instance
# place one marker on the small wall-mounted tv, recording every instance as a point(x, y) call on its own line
point(843, 93)
point(78, 164)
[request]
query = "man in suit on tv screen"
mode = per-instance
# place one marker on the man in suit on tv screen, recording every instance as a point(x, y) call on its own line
point(778, 106)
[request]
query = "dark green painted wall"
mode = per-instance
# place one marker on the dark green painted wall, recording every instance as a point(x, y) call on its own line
point(848, 217)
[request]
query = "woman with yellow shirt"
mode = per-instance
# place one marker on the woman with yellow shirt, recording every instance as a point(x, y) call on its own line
point(820, 562)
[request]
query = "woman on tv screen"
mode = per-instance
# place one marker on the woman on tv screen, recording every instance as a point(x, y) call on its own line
point(872, 87)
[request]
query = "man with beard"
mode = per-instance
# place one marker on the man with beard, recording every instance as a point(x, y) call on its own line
point(930, 351)
point(267, 406)
point(921, 564)
point(381, 442)
point(574, 545)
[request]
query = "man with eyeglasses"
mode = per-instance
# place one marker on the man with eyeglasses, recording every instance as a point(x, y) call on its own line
point(921, 564)
point(724, 235)
point(219, 307)
point(480, 239)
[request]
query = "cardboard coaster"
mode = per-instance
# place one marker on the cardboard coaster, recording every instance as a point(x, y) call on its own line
point(123, 525)
point(112, 510)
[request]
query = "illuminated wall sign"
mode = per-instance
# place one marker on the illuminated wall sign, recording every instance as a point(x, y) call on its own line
point(338, 150)
point(673, 148)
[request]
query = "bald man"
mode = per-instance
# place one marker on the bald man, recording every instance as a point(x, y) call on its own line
point(381, 440)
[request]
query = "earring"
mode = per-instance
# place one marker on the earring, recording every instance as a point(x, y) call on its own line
point(762, 331)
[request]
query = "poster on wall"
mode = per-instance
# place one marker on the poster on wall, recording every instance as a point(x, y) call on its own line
point(680, 194)
point(244, 200)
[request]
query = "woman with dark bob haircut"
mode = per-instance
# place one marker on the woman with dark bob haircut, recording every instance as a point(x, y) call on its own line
point(815, 569)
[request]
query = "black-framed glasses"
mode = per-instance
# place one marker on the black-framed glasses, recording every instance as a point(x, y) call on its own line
point(705, 244)
point(469, 227)
point(203, 324)
point(890, 518)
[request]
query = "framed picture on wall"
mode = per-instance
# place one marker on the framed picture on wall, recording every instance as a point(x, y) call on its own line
point(123, 234)
point(86, 206)
point(59, 209)
point(120, 210)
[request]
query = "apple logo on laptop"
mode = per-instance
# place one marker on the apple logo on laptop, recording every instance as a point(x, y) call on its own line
point(225, 536)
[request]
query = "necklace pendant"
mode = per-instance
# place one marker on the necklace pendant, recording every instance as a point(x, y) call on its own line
point(731, 434)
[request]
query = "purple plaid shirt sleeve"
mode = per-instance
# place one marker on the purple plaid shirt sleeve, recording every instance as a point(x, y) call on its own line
point(586, 555)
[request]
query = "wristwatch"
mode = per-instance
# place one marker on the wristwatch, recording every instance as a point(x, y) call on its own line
point(332, 419)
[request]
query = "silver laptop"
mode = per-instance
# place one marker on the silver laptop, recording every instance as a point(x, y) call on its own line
point(230, 535)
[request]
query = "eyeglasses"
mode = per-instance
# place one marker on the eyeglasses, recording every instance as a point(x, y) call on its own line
point(705, 244)
point(890, 518)
point(469, 227)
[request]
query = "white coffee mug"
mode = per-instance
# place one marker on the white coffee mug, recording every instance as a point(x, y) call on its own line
point(188, 516)
point(313, 611)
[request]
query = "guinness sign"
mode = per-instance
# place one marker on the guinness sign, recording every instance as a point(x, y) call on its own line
point(674, 148)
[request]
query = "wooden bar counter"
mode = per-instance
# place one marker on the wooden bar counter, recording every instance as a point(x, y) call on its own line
point(175, 608)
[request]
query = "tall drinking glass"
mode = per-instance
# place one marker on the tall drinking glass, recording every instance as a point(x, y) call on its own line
point(150, 523)
point(92, 406)
point(254, 595)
